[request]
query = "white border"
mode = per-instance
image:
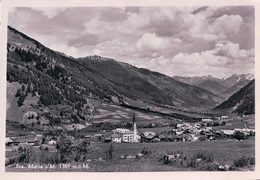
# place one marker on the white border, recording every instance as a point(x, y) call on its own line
point(125, 176)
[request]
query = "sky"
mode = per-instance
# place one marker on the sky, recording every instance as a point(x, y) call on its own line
point(183, 41)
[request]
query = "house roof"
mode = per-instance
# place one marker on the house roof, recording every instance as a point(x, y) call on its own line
point(148, 134)
point(24, 139)
point(8, 140)
point(207, 120)
point(228, 132)
point(122, 130)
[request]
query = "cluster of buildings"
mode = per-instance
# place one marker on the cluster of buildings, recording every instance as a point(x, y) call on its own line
point(182, 132)
point(33, 140)
point(193, 132)
point(196, 132)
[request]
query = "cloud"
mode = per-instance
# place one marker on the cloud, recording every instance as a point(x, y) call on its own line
point(225, 53)
point(113, 14)
point(49, 12)
point(171, 40)
point(234, 53)
point(150, 41)
point(227, 25)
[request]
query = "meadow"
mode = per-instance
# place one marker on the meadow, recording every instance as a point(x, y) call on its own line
point(224, 152)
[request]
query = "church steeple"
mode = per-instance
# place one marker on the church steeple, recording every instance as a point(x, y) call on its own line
point(135, 134)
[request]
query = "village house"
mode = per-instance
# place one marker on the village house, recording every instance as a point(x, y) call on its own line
point(207, 122)
point(224, 117)
point(246, 131)
point(8, 141)
point(30, 140)
point(170, 137)
point(228, 133)
point(147, 136)
point(52, 142)
point(183, 126)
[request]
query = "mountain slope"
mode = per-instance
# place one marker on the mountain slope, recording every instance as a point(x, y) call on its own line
point(62, 79)
point(152, 86)
point(213, 86)
point(243, 101)
point(194, 80)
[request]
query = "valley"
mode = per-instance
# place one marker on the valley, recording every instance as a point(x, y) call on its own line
point(103, 112)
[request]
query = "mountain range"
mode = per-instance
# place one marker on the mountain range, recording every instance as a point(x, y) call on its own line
point(223, 87)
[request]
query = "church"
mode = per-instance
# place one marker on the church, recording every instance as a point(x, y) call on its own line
point(121, 135)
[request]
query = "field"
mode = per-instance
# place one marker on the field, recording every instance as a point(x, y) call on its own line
point(240, 123)
point(117, 114)
point(224, 152)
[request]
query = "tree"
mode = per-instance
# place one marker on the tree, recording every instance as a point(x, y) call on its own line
point(64, 148)
point(33, 92)
point(18, 93)
point(239, 135)
point(72, 150)
point(21, 100)
point(57, 120)
point(25, 153)
point(41, 65)
point(23, 87)
point(110, 152)
point(82, 149)
point(29, 88)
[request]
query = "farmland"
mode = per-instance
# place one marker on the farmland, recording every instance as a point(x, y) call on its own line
point(115, 113)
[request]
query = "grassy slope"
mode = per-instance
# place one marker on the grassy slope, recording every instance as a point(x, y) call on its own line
point(14, 113)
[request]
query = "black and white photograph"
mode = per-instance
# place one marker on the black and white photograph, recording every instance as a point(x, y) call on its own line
point(130, 88)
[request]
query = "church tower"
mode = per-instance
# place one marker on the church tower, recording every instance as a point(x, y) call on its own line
point(135, 133)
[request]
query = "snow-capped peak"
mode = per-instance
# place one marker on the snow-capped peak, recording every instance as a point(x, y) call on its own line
point(249, 76)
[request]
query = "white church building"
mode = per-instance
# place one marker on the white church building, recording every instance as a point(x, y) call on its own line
point(126, 135)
